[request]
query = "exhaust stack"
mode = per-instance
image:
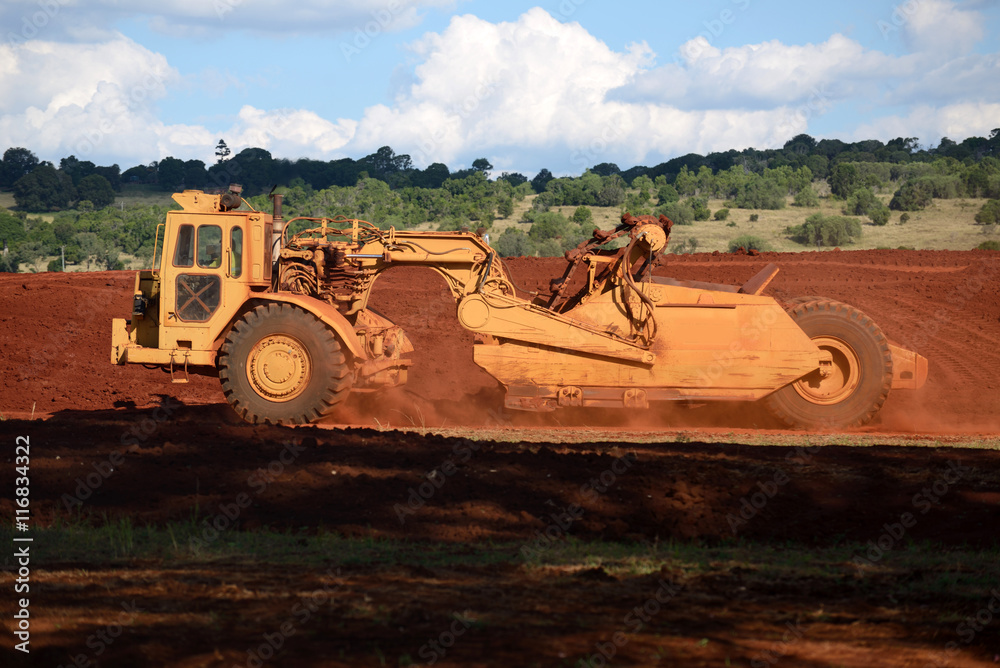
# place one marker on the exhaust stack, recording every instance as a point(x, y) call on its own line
point(278, 227)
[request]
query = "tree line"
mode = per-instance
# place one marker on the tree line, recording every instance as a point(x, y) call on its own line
point(385, 188)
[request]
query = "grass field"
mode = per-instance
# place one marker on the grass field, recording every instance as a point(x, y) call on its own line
point(120, 542)
point(948, 224)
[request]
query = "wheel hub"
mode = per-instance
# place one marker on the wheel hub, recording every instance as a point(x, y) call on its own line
point(278, 368)
point(833, 382)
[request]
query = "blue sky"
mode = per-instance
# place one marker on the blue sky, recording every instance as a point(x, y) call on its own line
point(562, 84)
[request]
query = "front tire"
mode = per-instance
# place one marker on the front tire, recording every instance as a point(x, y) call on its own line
point(854, 387)
point(281, 365)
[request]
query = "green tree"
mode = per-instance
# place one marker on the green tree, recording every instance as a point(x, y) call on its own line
point(513, 178)
point(860, 202)
point(722, 214)
point(97, 190)
point(550, 248)
point(77, 169)
point(108, 257)
point(989, 214)
point(749, 242)
point(583, 216)
point(64, 231)
point(17, 162)
point(699, 205)
point(482, 165)
point(820, 230)
point(760, 193)
point(514, 243)
point(44, 189)
point(541, 180)
point(90, 246)
point(253, 168)
point(33, 253)
point(505, 207)
point(806, 198)
point(434, 176)
point(680, 213)
point(686, 183)
point(612, 191)
point(911, 196)
point(844, 180)
point(667, 193)
point(8, 262)
point(879, 214)
point(12, 229)
point(195, 175)
point(170, 173)
point(222, 151)
point(552, 225)
point(644, 185)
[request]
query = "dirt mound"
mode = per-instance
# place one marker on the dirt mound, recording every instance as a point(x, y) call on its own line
point(56, 334)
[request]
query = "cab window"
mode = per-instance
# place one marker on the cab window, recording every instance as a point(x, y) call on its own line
point(209, 246)
point(184, 254)
point(236, 250)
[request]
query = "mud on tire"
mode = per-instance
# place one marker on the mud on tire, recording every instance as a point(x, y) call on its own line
point(859, 379)
point(281, 365)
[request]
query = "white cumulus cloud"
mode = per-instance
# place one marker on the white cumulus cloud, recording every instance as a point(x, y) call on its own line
point(930, 124)
point(939, 26)
point(94, 100)
point(761, 76)
point(526, 93)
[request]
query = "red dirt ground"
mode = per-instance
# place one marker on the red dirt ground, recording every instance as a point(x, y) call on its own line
point(55, 333)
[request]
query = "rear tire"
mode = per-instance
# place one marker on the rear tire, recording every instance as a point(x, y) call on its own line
point(857, 383)
point(281, 365)
point(795, 301)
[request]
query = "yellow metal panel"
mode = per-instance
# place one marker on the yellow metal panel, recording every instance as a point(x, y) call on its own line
point(909, 370)
point(119, 340)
